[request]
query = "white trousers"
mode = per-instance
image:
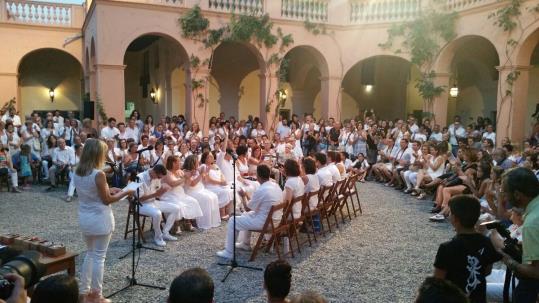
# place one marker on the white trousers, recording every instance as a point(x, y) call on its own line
point(45, 169)
point(71, 188)
point(91, 275)
point(14, 178)
point(410, 177)
point(243, 225)
point(155, 211)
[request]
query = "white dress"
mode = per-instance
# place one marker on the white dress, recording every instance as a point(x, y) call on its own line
point(189, 208)
point(208, 203)
point(311, 186)
point(224, 192)
point(435, 173)
point(95, 217)
point(295, 184)
point(250, 186)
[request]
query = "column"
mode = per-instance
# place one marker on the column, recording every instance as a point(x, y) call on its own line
point(298, 103)
point(439, 105)
point(9, 88)
point(196, 101)
point(269, 84)
point(511, 104)
point(331, 95)
point(111, 90)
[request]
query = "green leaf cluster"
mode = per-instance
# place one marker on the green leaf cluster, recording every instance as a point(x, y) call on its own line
point(506, 16)
point(426, 87)
point(193, 23)
point(424, 36)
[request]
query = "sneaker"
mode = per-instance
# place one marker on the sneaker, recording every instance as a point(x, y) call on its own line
point(243, 246)
point(160, 242)
point(437, 218)
point(69, 198)
point(168, 237)
point(224, 254)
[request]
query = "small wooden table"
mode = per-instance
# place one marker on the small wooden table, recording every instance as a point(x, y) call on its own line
point(60, 263)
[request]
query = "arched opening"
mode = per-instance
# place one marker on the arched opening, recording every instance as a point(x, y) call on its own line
point(473, 70)
point(385, 84)
point(235, 81)
point(533, 89)
point(305, 67)
point(155, 76)
point(46, 69)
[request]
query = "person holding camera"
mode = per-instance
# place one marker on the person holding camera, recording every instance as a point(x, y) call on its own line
point(520, 188)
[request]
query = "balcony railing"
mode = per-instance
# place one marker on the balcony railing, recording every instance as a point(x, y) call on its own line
point(459, 5)
point(384, 11)
point(41, 13)
point(312, 10)
point(237, 6)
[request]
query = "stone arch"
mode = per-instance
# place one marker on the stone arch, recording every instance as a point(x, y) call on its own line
point(50, 68)
point(307, 66)
point(151, 61)
point(381, 83)
point(236, 72)
point(445, 57)
point(526, 48)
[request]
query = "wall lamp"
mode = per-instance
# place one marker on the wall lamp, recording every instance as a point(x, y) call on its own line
point(51, 94)
point(153, 96)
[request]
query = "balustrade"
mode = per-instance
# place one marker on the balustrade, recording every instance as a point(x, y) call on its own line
point(384, 10)
point(458, 5)
point(237, 6)
point(42, 13)
point(312, 10)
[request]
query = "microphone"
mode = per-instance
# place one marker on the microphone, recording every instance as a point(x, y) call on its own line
point(232, 154)
point(150, 147)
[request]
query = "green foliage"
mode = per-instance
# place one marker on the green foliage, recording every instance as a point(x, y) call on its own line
point(315, 28)
point(424, 36)
point(246, 28)
point(511, 78)
point(193, 23)
point(284, 69)
point(506, 16)
point(9, 105)
point(100, 109)
point(426, 87)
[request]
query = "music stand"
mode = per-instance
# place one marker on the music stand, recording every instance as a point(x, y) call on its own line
point(136, 245)
point(233, 264)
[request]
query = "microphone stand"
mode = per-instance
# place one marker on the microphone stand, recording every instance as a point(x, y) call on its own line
point(233, 264)
point(136, 245)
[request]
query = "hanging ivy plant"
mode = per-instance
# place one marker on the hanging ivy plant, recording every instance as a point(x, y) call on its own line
point(253, 28)
point(422, 39)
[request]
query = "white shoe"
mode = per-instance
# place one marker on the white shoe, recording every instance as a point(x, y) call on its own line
point(159, 242)
point(224, 254)
point(243, 246)
point(437, 218)
point(168, 237)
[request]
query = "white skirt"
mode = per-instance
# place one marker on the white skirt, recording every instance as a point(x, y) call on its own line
point(209, 205)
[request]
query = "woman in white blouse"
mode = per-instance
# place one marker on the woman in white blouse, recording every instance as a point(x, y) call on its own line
point(310, 179)
point(294, 186)
point(96, 220)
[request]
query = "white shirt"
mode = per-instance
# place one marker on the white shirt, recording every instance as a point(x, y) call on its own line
point(63, 156)
point(132, 133)
point(109, 132)
point(284, 131)
point(491, 136)
point(267, 195)
point(335, 173)
point(297, 187)
point(436, 136)
point(148, 186)
point(15, 119)
point(225, 167)
point(324, 176)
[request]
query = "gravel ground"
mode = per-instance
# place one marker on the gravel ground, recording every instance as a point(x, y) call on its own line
point(381, 256)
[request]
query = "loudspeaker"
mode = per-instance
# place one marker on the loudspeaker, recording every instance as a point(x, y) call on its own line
point(89, 110)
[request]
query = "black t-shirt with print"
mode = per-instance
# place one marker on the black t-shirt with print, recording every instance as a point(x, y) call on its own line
point(465, 259)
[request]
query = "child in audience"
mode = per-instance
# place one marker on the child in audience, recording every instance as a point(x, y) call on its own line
point(466, 259)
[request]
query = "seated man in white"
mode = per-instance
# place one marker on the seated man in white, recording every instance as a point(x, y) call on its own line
point(325, 177)
point(268, 194)
point(150, 190)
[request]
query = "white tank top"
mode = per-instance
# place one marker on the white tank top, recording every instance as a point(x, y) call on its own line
point(95, 217)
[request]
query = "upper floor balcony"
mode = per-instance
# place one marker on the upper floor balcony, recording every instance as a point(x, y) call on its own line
point(333, 12)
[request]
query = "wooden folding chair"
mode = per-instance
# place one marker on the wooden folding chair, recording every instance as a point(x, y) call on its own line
point(333, 200)
point(295, 223)
point(139, 228)
point(271, 227)
point(351, 191)
point(309, 213)
point(341, 198)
